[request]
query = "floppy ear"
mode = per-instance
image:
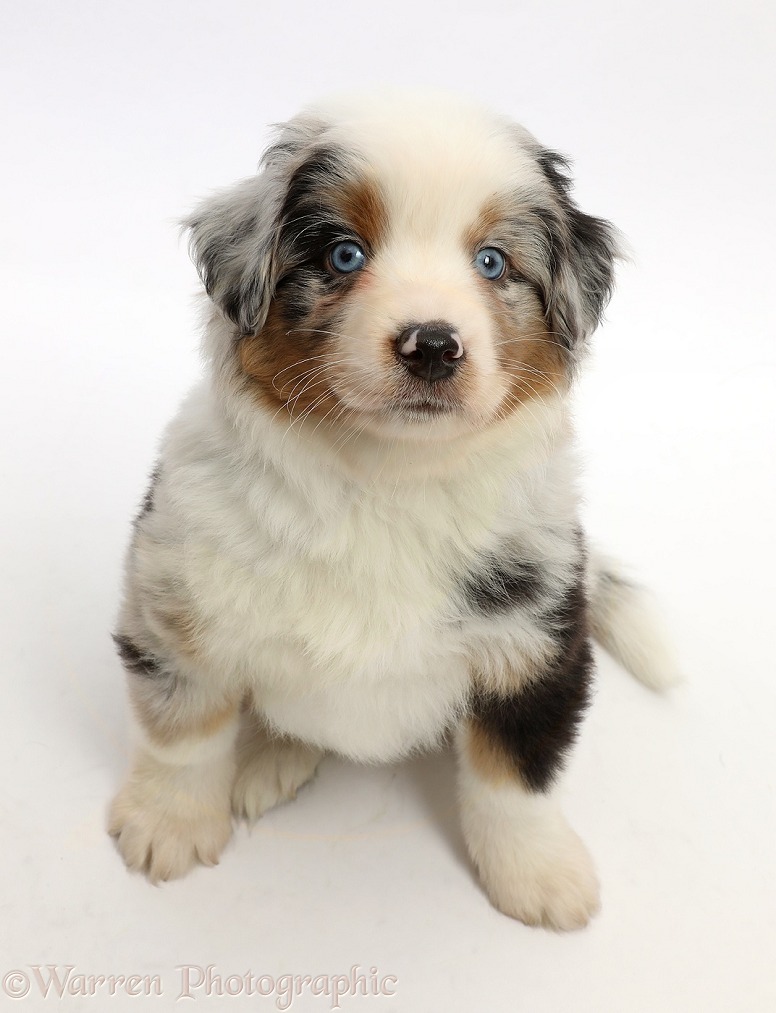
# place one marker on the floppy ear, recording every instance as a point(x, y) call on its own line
point(582, 262)
point(233, 234)
point(231, 243)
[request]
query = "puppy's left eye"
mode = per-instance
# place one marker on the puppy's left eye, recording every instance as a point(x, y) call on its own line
point(491, 263)
point(347, 257)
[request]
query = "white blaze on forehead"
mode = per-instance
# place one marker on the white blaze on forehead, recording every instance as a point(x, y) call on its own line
point(437, 159)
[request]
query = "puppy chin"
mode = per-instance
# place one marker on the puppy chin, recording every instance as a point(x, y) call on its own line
point(419, 425)
point(426, 418)
point(409, 409)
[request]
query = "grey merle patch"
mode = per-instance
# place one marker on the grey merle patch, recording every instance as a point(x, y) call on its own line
point(502, 584)
point(148, 500)
point(137, 661)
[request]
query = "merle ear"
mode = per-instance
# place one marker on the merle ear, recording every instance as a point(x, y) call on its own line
point(231, 241)
point(584, 252)
point(233, 234)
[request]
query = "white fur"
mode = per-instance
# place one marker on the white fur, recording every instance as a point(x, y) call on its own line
point(188, 751)
point(625, 620)
point(328, 594)
point(170, 816)
point(532, 864)
point(269, 770)
point(423, 271)
point(317, 569)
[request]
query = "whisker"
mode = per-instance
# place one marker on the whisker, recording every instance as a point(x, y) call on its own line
point(537, 374)
point(300, 362)
point(543, 336)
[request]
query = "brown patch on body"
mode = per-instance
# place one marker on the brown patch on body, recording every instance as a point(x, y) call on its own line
point(167, 721)
point(487, 760)
point(180, 627)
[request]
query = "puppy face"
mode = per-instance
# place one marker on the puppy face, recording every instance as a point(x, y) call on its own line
point(416, 268)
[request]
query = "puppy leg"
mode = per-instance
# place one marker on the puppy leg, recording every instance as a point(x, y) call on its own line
point(270, 769)
point(173, 810)
point(532, 864)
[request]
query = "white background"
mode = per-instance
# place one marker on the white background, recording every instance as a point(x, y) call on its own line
point(118, 116)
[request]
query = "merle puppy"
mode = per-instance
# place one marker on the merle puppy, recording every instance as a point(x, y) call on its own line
point(363, 530)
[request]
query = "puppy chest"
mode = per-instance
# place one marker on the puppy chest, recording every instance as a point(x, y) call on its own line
point(358, 651)
point(371, 587)
point(355, 609)
point(372, 714)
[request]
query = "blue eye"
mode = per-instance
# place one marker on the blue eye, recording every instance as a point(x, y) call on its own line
point(347, 257)
point(491, 263)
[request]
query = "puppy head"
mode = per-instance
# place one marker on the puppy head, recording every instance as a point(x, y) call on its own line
point(416, 268)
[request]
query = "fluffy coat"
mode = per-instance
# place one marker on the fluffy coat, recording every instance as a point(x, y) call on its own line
point(363, 534)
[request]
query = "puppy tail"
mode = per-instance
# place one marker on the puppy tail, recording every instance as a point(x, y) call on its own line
point(625, 621)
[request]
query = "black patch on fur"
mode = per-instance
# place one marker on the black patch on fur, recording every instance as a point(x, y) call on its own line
point(324, 165)
point(556, 168)
point(586, 243)
point(567, 621)
point(536, 727)
point(309, 228)
point(299, 293)
point(502, 585)
point(307, 231)
point(137, 661)
point(236, 298)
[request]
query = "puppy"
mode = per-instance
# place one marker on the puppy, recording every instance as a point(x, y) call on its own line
point(363, 530)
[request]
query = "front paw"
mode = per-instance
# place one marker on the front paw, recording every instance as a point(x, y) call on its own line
point(163, 829)
point(270, 771)
point(548, 880)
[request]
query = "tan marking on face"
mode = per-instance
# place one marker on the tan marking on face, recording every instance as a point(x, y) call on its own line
point(492, 213)
point(534, 362)
point(289, 365)
point(363, 207)
point(292, 364)
point(530, 356)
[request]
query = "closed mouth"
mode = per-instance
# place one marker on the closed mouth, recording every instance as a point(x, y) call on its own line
point(425, 407)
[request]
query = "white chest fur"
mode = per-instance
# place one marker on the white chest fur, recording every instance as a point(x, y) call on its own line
point(334, 601)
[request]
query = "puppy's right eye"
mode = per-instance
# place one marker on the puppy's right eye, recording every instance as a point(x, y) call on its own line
point(347, 257)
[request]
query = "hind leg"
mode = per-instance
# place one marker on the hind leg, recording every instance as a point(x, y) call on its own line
point(532, 864)
point(511, 749)
point(173, 810)
point(270, 768)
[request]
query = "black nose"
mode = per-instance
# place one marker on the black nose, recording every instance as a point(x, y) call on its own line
point(431, 351)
